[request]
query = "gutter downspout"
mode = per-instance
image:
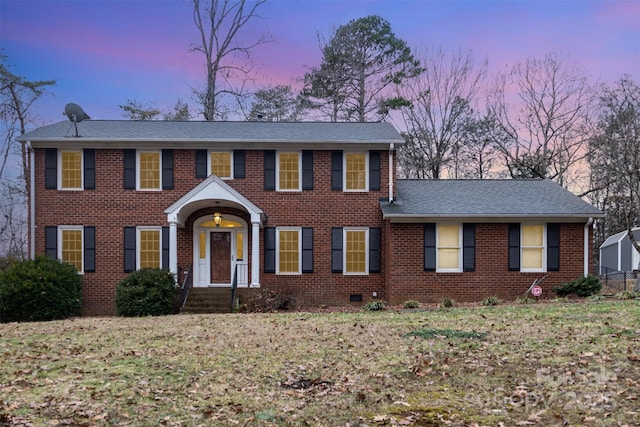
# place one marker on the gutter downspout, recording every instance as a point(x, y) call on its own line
point(586, 246)
point(32, 201)
point(391, 147)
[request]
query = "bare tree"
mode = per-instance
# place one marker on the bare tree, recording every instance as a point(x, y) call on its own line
point(614, 157)
point(441, 99)
point(219, 24)
point(17, 95)
point(475, 154)
point(543, 107)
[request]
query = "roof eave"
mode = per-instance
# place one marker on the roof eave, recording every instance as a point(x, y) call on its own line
point(495, 218)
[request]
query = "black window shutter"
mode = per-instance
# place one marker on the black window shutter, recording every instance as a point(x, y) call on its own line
point(50, 168)
point(129, 249)
point(167, 169)
point(89, 169)
point(269, 170)
point(553, 247)
point(374, 249)
point(238, 164)
point(89, 249)
point(429, 247)
point(514, 247)
point(130, 170)
point(269, 249)
point(468, 247)
point(165, 248)
point(201, 164)
point(307, 250)
point(307, 170)
point(51, 242)
point(336, 250)
point(374, 170)
point(336, 170)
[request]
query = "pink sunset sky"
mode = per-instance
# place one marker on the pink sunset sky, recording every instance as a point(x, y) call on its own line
point(103, 52)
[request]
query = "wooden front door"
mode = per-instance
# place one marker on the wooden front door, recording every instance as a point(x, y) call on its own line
point(220, 257)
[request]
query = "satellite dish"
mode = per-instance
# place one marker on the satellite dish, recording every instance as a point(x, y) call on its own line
point(76, 114)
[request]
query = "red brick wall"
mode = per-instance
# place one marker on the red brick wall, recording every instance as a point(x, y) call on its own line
point(110, 208)
point(408, 280)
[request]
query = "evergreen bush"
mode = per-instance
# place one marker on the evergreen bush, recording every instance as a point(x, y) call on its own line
point(583, 287)
point(146, 292)
point(38, 290)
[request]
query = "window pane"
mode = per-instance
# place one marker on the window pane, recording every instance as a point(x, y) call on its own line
point(356, 171)
point(221, 164)
point(288, 251)
point(448, 258)
point(149, 248)
point(150, 171)
point(289, 171)
point(72, 248)
point(356, 259)
point(532, 235)
point(71, 169)
point(202, 243)
point(449, 236)
point(239, 246)
point(532, 257)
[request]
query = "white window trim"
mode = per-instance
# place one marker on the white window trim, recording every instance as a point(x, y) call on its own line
point(366, 251)
point(74, 228)
point(289, 190)
point(544, 249)
point(139, 247)
point(60, 170)
point(209, 171)
point(366, 172)
point(289, 273)
point(460, 249)
point(139, 170)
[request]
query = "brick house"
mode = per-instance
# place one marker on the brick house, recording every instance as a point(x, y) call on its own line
point(313, 209)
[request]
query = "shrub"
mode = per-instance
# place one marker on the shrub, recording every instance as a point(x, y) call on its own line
point(267, 300)
point(411, 304)
point(39, 289)
point(583, 287)
point(627, 295)
point(146, 292)
point(446, 303)
point(490, 301)
point(374, 305)
point(525, 300)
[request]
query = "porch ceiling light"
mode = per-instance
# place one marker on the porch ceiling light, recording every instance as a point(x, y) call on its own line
point(217, 219)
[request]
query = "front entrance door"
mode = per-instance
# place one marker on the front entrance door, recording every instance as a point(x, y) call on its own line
point(220, 257)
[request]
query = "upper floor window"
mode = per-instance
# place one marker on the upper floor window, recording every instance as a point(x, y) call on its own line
point(221, 163)
point(289, 244)
point(532, 248)
point(449, 245)
point(70, 170)
point(355, 172)
point(289, 171)
point(149, 170)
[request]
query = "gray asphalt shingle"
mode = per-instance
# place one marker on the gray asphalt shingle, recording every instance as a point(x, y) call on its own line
point(485, 198)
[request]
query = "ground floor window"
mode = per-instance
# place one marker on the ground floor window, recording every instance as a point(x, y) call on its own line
point(149, 248)
point(289, 247)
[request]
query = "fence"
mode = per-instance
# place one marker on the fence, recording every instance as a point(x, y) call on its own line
point(615, 279)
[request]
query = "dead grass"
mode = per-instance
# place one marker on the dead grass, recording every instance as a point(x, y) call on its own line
point(538, 364)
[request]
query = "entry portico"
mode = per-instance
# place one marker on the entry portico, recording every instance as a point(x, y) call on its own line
point(213, 192)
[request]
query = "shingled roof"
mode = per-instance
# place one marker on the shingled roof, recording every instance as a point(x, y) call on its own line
point(185, 132)
point(488, 200)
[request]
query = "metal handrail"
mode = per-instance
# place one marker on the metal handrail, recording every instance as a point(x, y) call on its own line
point(187, 284)
point(234, 287)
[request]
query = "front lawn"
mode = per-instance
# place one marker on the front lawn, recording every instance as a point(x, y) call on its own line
point(537, 364)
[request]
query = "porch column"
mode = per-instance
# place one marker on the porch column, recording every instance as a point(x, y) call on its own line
point(173, 249)
point(255, 254)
